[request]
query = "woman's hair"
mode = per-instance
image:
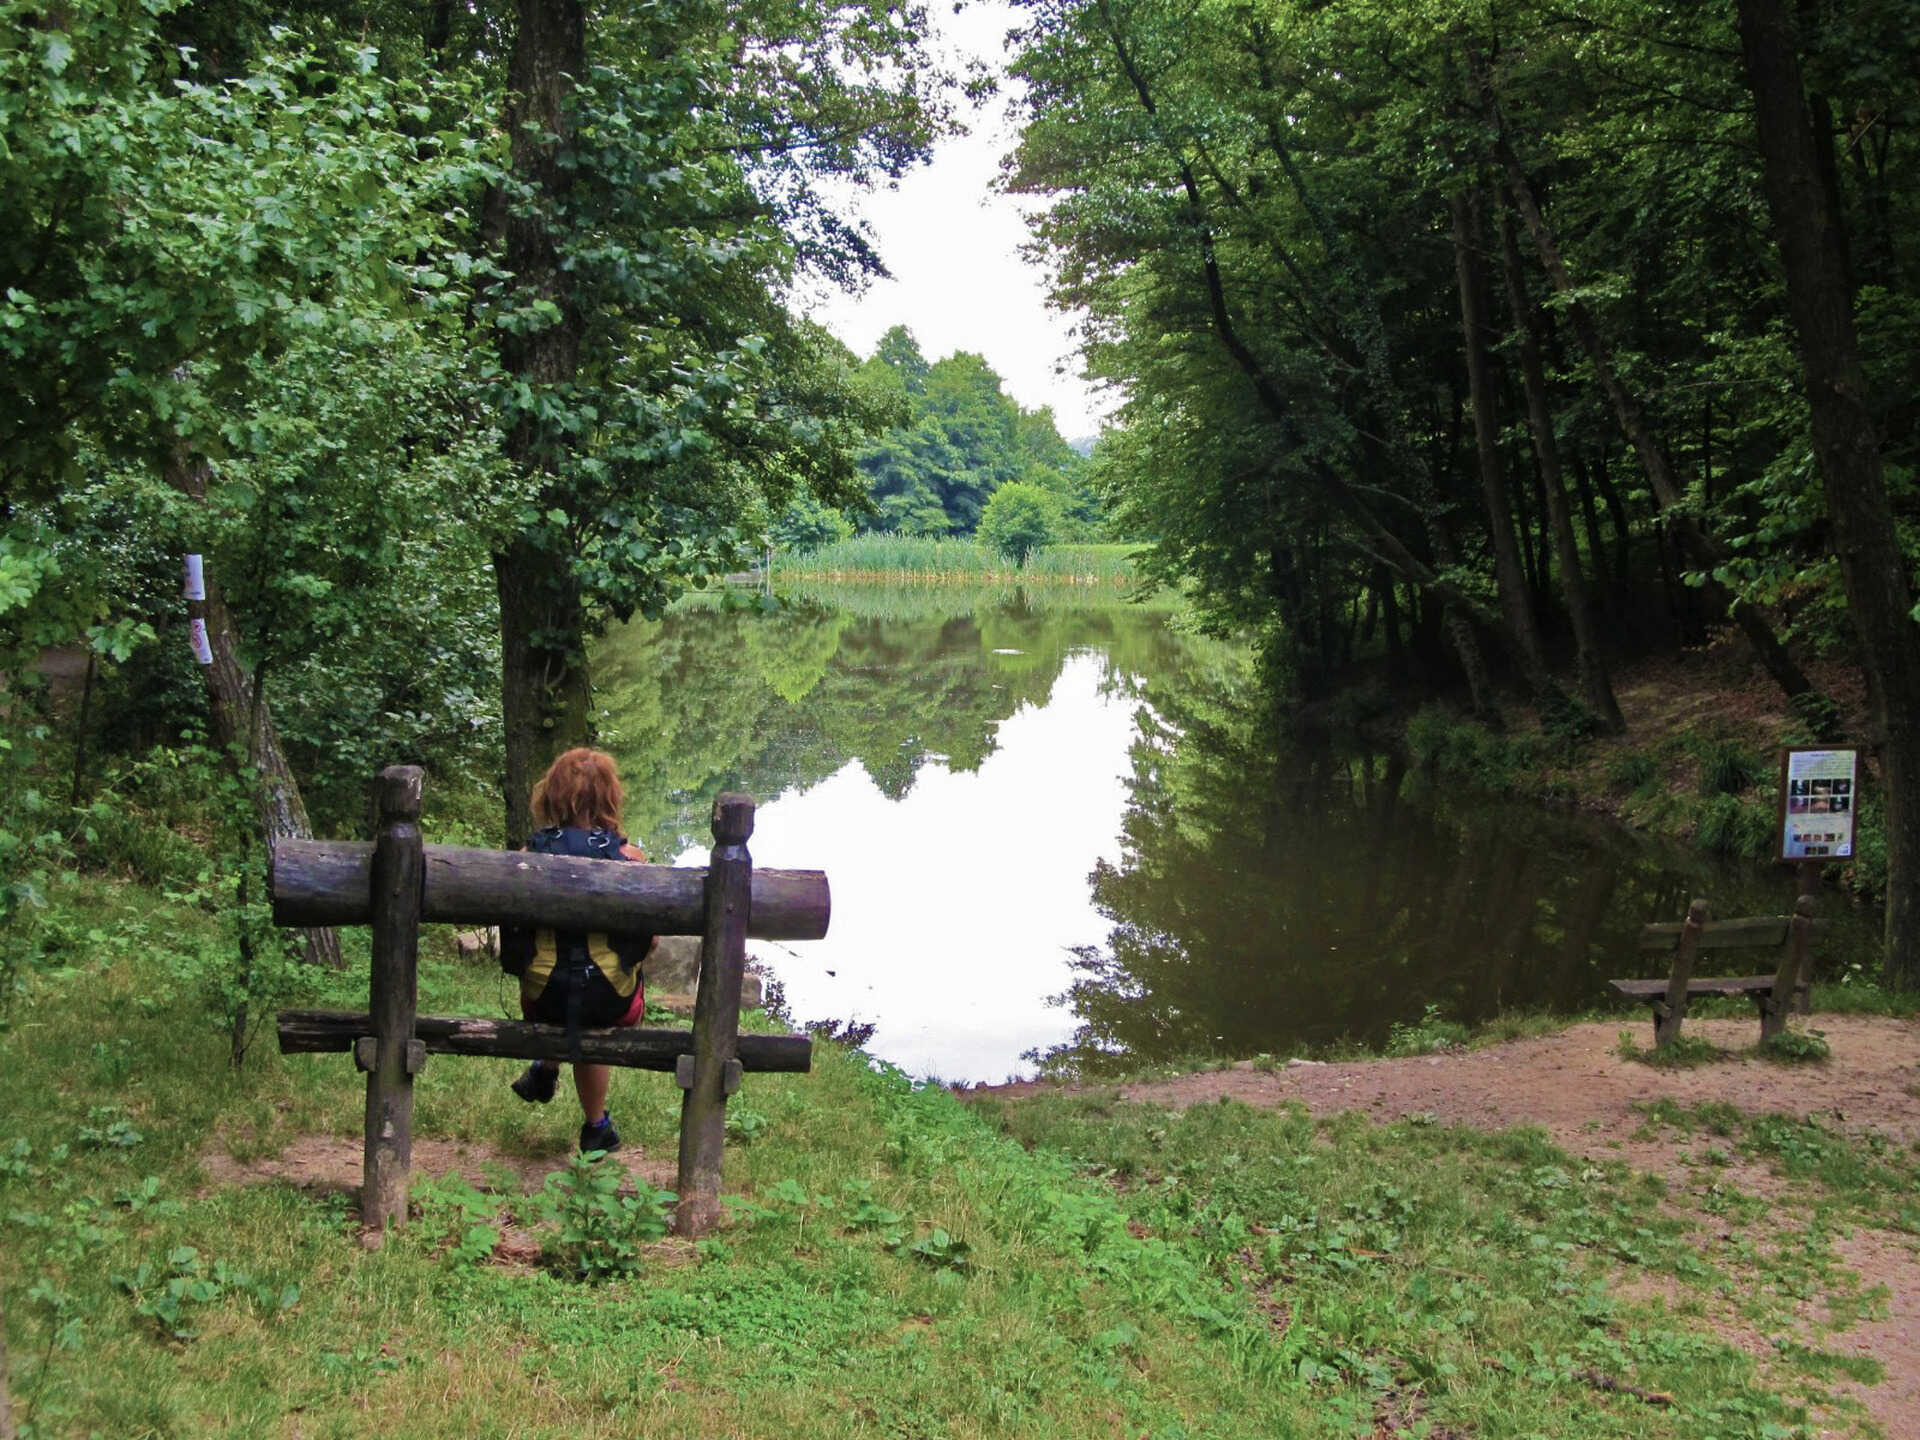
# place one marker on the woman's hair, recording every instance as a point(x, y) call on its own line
point(582, 788)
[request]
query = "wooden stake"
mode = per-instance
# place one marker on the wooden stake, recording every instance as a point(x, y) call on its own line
point(1667, 1020)
point(1803, 935)
point(715, 1069)
point(6, 1401)
point(394, 1056)
point(1796, 958)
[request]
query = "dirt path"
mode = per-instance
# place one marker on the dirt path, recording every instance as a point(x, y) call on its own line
point(1577, 1087)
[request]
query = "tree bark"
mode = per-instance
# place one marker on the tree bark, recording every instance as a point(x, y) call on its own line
point(1515, 601)
point(1595, 688)
point(1847, 447)
point(242, 722)
point(543, 674)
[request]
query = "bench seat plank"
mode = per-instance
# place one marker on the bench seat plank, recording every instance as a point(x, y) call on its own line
point(320, 1031)
point(1697, 985)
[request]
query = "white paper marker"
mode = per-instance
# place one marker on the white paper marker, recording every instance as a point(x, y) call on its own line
point(196, 579)
point(197, 633)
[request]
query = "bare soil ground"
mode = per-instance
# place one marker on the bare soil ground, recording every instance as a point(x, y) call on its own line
point(332, 1162)
point(1577, 1087)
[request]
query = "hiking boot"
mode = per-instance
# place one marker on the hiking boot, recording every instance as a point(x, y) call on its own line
point(535, 1084)
point(600, 1135)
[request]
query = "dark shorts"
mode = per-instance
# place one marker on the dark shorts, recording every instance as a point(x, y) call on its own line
point(601, 1006)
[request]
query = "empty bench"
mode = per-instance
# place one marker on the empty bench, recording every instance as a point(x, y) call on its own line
point(1774, 995)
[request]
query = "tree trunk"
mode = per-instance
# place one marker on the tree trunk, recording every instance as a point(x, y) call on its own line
point(545, 698)
point(543, 674)
point(1706, 551)
point(1846, 444)
point(242, 723)
point(1508, 575)
point(1590, 522)
point(1595, 688)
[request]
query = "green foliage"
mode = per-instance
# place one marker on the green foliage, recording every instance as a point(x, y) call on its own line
point(456, 1220)
point(1683, 1052)
point(1797, 1047)
point(915, 559)
point(1426, 1036)
point(602, 1223)
point(1017, 521)
point(1245, 210)
point(936, 473)
point(174, 1293)
point(1737, 825)
point(1726, 766)
point(745, 1126)
point(1633, 770)
point(1462, 749)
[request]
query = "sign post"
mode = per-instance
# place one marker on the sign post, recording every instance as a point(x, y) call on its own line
point(1819, 802)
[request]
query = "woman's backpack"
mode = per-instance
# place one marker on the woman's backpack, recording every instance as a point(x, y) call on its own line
point(517, 942)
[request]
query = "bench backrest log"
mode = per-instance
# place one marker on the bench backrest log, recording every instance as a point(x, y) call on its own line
point(329, 882)
point(396, 883)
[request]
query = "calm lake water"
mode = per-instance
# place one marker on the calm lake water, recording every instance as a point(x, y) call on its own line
point(1055, 823)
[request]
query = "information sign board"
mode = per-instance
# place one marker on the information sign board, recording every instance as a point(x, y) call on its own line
point(1819, 792)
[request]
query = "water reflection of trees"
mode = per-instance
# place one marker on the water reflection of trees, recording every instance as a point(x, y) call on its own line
point(1268, 896)
point(711, 698)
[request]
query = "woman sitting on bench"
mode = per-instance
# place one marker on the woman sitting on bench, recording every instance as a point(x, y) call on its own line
point(572, 977)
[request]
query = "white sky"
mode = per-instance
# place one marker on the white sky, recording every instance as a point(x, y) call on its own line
point(952, 245)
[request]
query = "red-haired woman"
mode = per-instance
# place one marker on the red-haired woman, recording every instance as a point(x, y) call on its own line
point(572, 977)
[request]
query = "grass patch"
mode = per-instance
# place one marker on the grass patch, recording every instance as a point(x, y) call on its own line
point(919, 559)
point(1796, 1047)
point(1472, 1266)
point(1429, 1035)
point(1683, 1052)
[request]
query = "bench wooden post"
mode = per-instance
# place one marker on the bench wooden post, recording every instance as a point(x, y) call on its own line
point(1796, 963)
point(1803, 936)
point(712, 1072)
point(1668, 1018)
point(391, 1056)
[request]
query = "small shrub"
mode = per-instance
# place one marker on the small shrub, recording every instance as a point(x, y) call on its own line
point(746, 1126)
point(602, 1224)
point(1563, 718)
point(1426, 1036)
point(1797, 1047)
point(1681, 1053)
point(1726, 766)
point(1735, 825)
point(1632, 770)
point(456, 1220)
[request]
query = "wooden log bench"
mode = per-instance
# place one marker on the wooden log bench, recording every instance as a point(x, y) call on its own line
point(396, 883)
point(1774, 995)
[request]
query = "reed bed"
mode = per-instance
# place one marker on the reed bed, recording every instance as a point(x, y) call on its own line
point(918, 559)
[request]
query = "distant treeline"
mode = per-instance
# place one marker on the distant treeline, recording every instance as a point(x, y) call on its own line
point(958, 441)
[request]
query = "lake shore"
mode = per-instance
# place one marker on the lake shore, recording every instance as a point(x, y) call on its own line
point(1697, 761)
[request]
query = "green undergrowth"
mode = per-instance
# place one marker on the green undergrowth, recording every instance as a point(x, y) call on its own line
point(1712, 789)
point(896, 1263)
point(1482, 1279)
point(1855, 1177)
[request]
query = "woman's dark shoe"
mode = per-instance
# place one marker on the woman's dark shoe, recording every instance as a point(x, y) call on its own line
point(535, 1084)
point(600, 1135)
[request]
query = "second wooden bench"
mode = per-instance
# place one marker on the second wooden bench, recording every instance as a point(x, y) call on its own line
point(1773, 994)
